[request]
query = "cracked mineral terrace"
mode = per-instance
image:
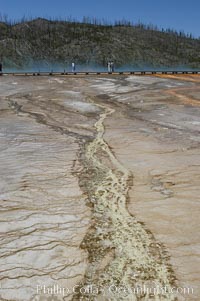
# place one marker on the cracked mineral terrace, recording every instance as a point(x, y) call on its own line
point(99, 188)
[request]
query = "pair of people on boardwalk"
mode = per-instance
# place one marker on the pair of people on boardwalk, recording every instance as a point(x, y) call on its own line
point(111, 67)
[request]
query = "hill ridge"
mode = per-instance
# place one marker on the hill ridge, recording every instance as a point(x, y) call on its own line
point(89, 43)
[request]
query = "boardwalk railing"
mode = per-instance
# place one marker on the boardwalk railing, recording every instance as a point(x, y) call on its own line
point(83, 73)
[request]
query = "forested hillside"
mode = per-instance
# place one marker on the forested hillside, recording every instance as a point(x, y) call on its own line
point(93, 43)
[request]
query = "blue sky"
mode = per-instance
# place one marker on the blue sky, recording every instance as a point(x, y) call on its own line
point(177, 14)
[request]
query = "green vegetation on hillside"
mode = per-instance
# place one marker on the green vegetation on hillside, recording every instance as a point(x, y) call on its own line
point(92, 43)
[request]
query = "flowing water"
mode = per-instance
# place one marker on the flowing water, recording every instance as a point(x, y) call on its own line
point(123, 255)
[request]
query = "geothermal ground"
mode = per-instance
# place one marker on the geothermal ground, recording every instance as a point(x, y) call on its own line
point(100, 185)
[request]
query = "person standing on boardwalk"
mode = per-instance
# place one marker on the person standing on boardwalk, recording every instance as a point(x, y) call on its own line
point(112, 67)
point(73, 67)
point(109, 67)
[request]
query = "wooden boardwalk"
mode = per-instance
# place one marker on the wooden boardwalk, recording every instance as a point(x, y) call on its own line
point(92, 73)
